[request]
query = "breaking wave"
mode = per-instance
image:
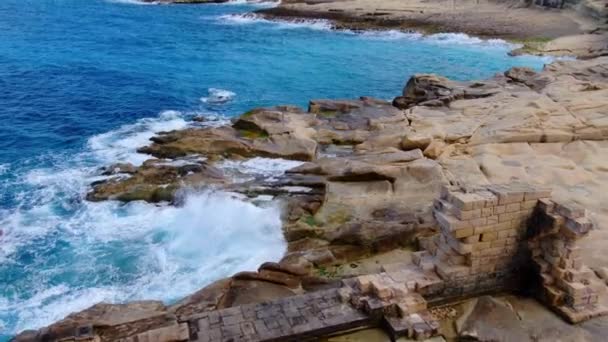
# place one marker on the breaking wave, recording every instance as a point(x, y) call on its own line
point(250, 18)
point(63, 254)
point(218, 96)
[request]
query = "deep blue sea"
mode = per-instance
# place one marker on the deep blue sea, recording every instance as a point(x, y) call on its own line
point(83, 83)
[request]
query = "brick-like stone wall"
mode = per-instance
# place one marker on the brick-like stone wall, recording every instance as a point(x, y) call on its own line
point(481, 242)
point(489, 235)
point(566, 285)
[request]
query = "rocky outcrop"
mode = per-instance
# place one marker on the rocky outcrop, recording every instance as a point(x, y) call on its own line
point(155, 181)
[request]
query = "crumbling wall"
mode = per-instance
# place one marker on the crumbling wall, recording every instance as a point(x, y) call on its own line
point(566, 285)
point(482, 246)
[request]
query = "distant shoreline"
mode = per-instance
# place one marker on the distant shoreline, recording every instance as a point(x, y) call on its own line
point(540, 31)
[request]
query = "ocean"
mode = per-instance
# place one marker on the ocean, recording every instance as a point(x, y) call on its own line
point(83, 83)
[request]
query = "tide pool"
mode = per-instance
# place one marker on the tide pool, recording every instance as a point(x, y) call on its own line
point(83, 83)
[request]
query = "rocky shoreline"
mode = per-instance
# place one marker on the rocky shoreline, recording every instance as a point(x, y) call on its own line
point(577, 29)
point(363, 198)
point(568, 28)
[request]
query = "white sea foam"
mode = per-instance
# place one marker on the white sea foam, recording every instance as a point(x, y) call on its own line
point(134, 2)
point(213, 235)
point(218, 96)
point(120, 145)
point(321, 24)
point(4, 168)
point(250, 18)
point(257, 3)
point(438, 38)
point(169, 251)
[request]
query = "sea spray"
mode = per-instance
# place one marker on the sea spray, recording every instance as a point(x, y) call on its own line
point(218, 96)
point(112, 252)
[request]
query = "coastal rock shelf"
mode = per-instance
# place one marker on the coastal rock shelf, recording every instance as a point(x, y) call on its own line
point(452, 190)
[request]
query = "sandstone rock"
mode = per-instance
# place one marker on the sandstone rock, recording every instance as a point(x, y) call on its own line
point(113, 169)
point(208, 298)
point(520, 74)
point(280, 132)
point(284, 268)
point(251, 291)
point(155, 181)
point(490, 319)
point(271, 276)
point(416, 141)
point(331, 107)
point(110, 322)
point(427, 89)
point(435, 148)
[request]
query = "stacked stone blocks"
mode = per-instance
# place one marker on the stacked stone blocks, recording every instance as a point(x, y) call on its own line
point(481, 234)
point(567, 285)
point(392, 297)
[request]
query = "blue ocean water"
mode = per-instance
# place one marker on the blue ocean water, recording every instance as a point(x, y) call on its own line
point(83, 83)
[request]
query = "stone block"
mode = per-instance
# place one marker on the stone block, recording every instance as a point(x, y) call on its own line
point(573, 289)
point(174, 333)
point(381, 289)
point(489, 236)
point(507, 194)
point(537, 192)
point(513, 207)
point(480, 246)
point(508, 217)
point(493, 219)
point(498, 243)
point(486, 212)
point(446, 271)
point(467, 201)
point(581, 225)
point(466, 215)
point(529, 205)
point(570, 210)
point(463, 233)
point(500, 209)
point(364, 283)
point(449, 222)
point(545, 205)
point(472, 239)
point(459, 246)
point(483, 229)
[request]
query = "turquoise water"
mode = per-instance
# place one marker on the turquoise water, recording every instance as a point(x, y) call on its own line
point(83, 83)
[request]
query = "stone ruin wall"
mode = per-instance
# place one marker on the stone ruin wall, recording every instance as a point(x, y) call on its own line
point(492, 239)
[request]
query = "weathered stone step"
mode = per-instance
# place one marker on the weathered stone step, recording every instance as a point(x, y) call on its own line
point(294, 318)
